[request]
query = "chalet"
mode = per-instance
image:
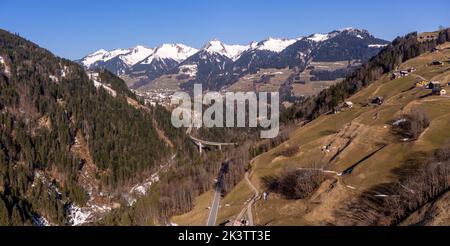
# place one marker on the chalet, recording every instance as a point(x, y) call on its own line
point(342, 106)
point(378, 100)
point(434, 85)
point(402, 73)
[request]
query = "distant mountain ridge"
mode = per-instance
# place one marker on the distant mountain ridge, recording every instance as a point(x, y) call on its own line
point(217, 64)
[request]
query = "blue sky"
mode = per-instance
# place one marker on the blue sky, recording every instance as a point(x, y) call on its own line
point(72, 29)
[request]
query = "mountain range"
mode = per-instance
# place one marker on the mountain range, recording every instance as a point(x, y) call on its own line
point(217, 64)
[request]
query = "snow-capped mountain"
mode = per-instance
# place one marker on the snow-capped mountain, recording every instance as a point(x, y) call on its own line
point(136, 55)
point(90, 59)
point(117, 61)
point(221, 64)
point(264, 54)
point(233, 52)
point(140, 59)
point(213, 64)
point(347, 44)
point(176, 52)
point(274, 44)
point(163, 59)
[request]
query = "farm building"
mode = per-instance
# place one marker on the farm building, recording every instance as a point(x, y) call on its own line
point(348, 104)
point(434, 85)
point(403, 73)
point(378, 100)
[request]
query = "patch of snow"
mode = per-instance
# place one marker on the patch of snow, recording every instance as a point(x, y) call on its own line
point(107, 88)
point(275, 45)
point(77, 215)
point(377, 45)
point(7, 70)
point(39, 221)
point(141, 189)
point(82, 215)
point(318, 37)
point(53, 78)
point(64, 72)
point(177, 52)
point(190, 70)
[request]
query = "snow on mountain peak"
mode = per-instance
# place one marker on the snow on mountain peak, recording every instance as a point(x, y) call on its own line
point(319, 37)
point(136, 55)
point(359, 33)
point(177, 52)
point(113, 53)
point(231, 51)
point(215, 46)
point(275, 45)
point(94, 57)
point(100, 51)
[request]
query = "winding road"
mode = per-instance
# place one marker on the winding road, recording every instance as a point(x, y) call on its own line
point(248, 208)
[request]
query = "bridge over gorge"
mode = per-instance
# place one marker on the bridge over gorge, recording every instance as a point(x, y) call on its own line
point(203, 143)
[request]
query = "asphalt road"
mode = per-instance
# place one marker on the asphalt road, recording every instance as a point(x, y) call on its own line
point(212, 218)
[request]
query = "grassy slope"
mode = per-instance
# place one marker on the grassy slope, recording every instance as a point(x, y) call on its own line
point(368, 126)
point(363, 129)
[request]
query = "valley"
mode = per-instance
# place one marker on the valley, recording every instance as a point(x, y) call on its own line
point(91, 142)
point(299, 67)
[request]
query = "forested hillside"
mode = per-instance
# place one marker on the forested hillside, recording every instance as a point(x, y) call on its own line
point(68, 142)
point(47, 103)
